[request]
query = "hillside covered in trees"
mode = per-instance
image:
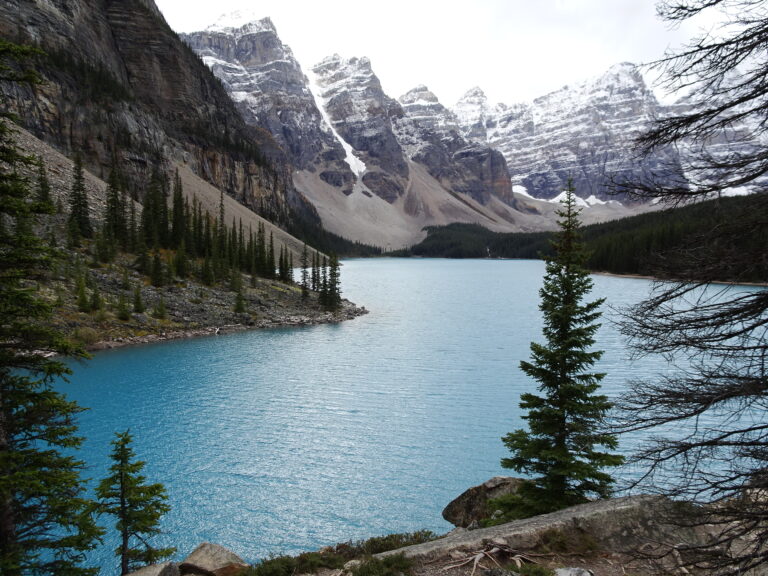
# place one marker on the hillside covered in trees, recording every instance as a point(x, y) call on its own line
point(647, 244)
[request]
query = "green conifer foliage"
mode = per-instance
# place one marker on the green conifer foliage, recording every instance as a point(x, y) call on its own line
point(179, 221)
point(304, 273)
point(156, 274)
point(83, 304)
point(138, 303)
point(160, 312)
point(240, 307)
point(45, 520)
point(138, 507)
point(564, 448)
point(79, 223)
point(43, 185)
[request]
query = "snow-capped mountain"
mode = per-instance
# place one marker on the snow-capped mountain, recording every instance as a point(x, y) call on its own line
point(430, 135)
point(376, 169)
point(584, 132)
point(268, 85)
point(363, 115)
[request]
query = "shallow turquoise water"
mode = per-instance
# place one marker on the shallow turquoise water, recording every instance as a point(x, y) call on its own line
point(285, 440)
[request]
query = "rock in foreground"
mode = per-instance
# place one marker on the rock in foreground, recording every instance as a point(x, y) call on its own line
point(472, 505)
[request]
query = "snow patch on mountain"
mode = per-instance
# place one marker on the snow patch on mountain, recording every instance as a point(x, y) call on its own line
point(580, 202)
point(242, 22)
point(355, 164)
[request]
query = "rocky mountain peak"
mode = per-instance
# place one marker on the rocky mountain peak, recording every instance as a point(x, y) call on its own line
point(416, 94)
point(472, 111)
point(362, 114)
point(242, 22)
point(269, 87)
point(584, 131)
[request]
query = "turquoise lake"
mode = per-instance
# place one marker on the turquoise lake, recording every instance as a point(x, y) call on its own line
point(279, 441)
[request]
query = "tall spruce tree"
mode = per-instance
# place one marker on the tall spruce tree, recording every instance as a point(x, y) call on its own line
point(565, 446)
point(138, 506)
point(79, 223)
point(46, 524)
point(304, 273)
point(334, 283)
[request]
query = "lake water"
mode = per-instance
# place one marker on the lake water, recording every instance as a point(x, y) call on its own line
point(285, 440)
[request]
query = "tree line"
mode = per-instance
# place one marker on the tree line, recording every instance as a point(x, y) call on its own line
point(174, 240)
point(630, 245)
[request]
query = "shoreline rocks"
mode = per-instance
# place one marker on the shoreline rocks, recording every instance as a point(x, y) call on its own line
point(349, 311)
point(470, 507)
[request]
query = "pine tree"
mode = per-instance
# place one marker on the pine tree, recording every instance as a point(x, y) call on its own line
point(561, 447)
point(45, 520)
point(79, 223)
point(122, 311)
point(240, 307)
point(270, 269)
point(179, 221)
point(43, 185)
point(138, 506)
point(156, 275)
point(96, 302)
point(82, 296)
point(304, 273)
point(315, 272)
point(115, 225)
point(138, 303)
point(160, 312)
point(333, 289)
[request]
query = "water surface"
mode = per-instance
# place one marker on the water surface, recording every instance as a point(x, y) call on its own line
point(290, 439)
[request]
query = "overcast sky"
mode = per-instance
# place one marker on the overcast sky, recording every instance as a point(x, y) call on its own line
point(515, 50)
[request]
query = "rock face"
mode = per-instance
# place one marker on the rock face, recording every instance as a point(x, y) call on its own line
point(584, 132)
point(206, 560)
point(118, 82)
point(625, 526)
point(363, 115)
point(271, 91)
point(472, 505)
point(430, 134)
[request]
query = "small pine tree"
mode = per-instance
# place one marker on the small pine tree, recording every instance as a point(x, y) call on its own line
point(138, 303)
point(240, 307)
point(79, 223)
point(180, 262)
point(156, 274)
point(304, 273)
point(96, 303)
point(560, 448)
point(43, 187)
point(206, 273)
point(122, 311)
point(160, 312)
point(333, 290)
point(138, 507)
point(83, 304)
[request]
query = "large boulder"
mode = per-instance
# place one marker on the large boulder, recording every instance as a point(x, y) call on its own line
point(208, 558)
point(164, 569)
point(472, 505)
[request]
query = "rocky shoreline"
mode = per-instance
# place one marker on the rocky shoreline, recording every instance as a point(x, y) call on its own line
point(349, 311)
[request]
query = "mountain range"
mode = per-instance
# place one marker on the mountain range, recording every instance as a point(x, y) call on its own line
point(380, 169)
point(323, 146)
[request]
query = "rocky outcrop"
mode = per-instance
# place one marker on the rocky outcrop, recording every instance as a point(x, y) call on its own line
point(363, 115)
point(628, 527)
point(206, 560)
point(585, 132)
point(270, 89)
point(472, 505)
point(430, 135)
point(119, 83)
